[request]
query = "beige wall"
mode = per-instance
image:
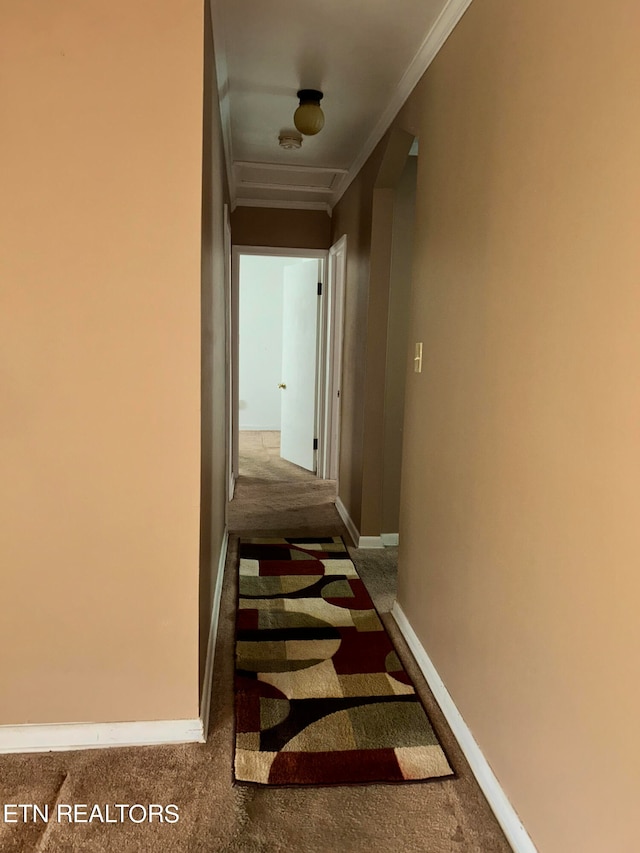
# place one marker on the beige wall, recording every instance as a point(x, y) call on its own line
point(365, 214)
point(100, 209)
point(397, 343)
point(375, 356)
point(213, 356)
point(292, 229)
point(521, 478)
point(353, 217)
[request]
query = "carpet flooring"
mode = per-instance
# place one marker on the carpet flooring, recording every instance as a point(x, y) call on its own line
point(216, 816)
point(321, 695)
point(259, 458)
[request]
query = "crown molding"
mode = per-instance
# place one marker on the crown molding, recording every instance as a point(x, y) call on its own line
point(428, 50)
point(294, 188)
point(286, 205)
point(222, 78)
point(426, 53)
point(288, 167)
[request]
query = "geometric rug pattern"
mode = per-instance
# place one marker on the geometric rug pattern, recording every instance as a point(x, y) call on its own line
point(320, 694)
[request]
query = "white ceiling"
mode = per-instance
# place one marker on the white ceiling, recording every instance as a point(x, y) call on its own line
point(365, 55)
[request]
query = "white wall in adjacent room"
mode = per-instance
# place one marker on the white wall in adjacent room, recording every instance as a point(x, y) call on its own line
point(260, 363)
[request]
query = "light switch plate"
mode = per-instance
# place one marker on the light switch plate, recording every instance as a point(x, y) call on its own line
point(417, 360)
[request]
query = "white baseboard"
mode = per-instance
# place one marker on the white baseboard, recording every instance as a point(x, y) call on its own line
point(370, 542)
point(505, 813)
point(348, 521)
point(59, 737)
point(354, 533)
point(205, 702)
point(390, 539)
point(68, 736)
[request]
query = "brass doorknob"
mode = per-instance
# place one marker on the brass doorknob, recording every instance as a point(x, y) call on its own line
point(281, 385)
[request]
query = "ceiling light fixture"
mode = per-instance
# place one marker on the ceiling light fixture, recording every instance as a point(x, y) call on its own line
point(290, 139)
point(309, 118)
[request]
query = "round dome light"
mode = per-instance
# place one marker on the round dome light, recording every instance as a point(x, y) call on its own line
point(309, 118)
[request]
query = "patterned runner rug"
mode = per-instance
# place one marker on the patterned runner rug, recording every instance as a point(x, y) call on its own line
point(321, 696)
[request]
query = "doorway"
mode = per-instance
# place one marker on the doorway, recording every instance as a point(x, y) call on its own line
point(281, 363)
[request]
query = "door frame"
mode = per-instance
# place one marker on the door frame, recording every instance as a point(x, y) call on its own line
point(329, 457)
point(230, 416)
point(321, 363)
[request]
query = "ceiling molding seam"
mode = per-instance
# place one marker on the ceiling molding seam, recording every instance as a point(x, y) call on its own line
point(428, 50)
point(286, 205)
point(287, 167)
point(294, 188)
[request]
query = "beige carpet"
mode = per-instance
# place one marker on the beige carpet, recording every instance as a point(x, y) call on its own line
point(259, 458)
point(436, 817)
point(272, 493)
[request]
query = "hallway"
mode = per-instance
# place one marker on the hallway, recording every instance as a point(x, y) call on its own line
point(216, 815)
point(259, 458)
point(449, 816)
point(469, 187)
point(272, 494)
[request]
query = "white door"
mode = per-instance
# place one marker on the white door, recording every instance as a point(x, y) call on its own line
point(299, 346)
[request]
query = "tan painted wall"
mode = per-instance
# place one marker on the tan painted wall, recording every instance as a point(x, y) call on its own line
point(213, 356)
point(397, 343)
point(353, 216)
point(100, 168)
point(365, 215)
point(375, 353)
point(521, 479)
point(292, 229)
